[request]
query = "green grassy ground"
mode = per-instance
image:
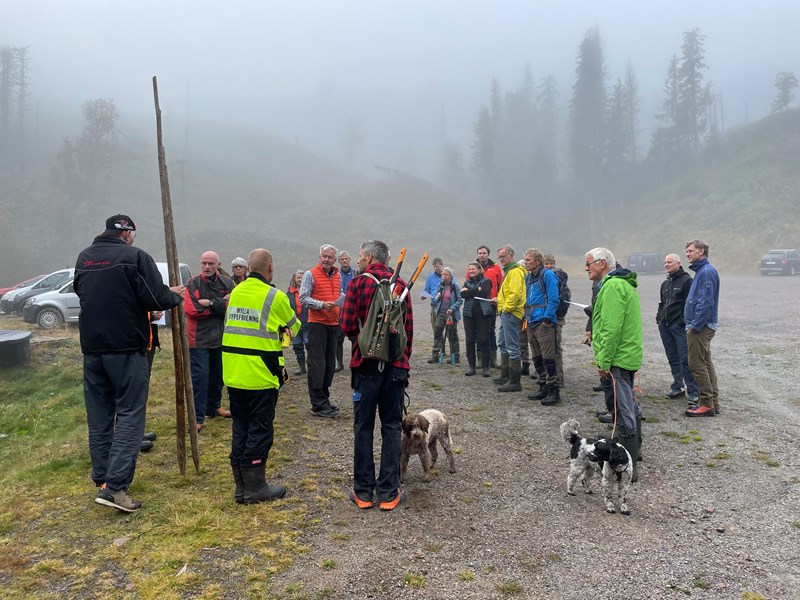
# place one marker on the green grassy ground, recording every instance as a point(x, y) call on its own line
point(55, 542)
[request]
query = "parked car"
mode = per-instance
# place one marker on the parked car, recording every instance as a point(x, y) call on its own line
point(54, 308)
point(16, 287)
point(783, 262)
point(47, 283)
point(57, 307)
point(646, 262)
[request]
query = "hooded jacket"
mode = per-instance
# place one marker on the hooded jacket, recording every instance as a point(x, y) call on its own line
point(617, 322)
point(701, 304)
point(511, 297)
point(674, 291)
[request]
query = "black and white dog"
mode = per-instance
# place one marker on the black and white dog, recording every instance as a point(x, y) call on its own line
point(603, 457)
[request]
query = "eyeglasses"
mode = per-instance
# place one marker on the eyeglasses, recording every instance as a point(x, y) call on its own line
point(589, 264)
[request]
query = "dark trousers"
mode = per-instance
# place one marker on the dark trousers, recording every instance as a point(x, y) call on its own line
point(442, 329)
point(321, 363)
point(206, 381)
point(115, 394)
point(493, 331)
point(340, 347)
point(253, 412)
point(673, 337)
point(542, 337)
point(382, 390)
point(476, 331)
point(619, 392)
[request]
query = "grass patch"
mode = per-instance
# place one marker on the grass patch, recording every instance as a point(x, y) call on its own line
point(722, 456)
point(511, 588)
point(763, 457)
point(466, 575)
point(670, 434)
point(328, 564)
point(753, 596)
point(468, 499)
point(415, 580)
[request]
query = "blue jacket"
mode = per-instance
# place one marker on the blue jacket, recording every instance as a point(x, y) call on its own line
point(455, 297)
point(700, 310)
point(431, 285)
point(538, 306)
point(347, 278)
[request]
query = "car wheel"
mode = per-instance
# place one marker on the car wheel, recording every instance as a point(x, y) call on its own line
point(49, 318)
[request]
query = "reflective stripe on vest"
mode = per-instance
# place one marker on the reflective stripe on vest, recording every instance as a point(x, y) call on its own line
point(236, 313)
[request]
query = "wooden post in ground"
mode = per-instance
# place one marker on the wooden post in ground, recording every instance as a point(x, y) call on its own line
point(184, 396)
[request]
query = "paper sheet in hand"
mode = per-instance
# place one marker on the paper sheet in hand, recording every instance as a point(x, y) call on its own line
point(483, 299)
point(340, 301)
point(578, 304)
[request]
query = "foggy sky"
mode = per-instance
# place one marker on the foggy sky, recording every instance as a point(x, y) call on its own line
point(407, 74)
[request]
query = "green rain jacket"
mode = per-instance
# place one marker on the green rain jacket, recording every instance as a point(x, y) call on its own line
point(617, 322)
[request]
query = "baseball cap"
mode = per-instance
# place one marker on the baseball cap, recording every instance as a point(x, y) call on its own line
point(120, 222)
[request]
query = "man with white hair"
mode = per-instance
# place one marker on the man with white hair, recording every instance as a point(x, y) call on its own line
point(669, 317)
point(319, 291)
point(617, 343)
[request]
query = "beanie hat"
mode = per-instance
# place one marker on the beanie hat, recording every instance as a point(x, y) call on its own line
point(238, 262)
point(120, 223)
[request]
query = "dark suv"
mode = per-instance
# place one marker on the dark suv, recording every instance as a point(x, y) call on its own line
point(646, 262)
point(784, 262)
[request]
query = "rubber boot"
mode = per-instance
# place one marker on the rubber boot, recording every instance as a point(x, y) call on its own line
point(630, 440)
point(441, 358)
point(503, 370)
point(455, 359)
point(639, 436)
point(479, 355)
point(493, 360)
point(300, 353)
point(526, 368)
point(540, 395)
point(485, 363)
point(471, 361)
point(238, 495)
point(434, 358)
point(256, 488)
point(553, 396)
point(514, 372)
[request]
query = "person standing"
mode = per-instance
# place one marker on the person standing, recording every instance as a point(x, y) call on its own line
point(617, 343)
point(205, 302)
point(510, 303)
point(549, 262)
point(448, 314)
point(492, 272)
point(239, 270)
point(669, 318)
point(320, 290)
point(477, 317)
point(346, 273)
point(117, 284)
point(376, 385)
point(431, 285)
point(541, 305)
point(253, 366)
point(300, 340)
point(700, 316)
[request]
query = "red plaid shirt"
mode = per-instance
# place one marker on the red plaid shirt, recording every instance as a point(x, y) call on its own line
point(356, 306)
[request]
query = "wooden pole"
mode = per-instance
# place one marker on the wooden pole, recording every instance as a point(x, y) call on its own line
point(184, 397)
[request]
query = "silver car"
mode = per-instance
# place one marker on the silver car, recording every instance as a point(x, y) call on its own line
point(55, 308)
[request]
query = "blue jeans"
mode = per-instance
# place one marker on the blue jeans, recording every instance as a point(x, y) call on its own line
point(381, 390)
point(508, 336)
point(206, 381)
point(673, 337)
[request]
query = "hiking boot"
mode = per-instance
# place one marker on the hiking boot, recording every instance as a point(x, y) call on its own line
point(326, 413)
point(256, 488)
point(470, 372)
point(119, 500)
point(673, 393)
point(700, 411)
point(434, 358)
point(223, 412)
point(692, 400)
point(339, 367)
point(553, 396)
point(514, 372)
point(150, 436)
point(394, 503)
point(362, 504)
point(606, 417)
point(146, 446)
point(542, 393)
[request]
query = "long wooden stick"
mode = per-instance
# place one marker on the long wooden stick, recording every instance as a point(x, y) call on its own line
point(184, 396)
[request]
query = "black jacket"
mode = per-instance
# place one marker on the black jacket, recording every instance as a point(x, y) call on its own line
point(674, 291)
point(117, 285)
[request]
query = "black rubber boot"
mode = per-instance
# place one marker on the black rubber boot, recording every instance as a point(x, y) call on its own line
point(639, 436)
point(541, 394)
point(471, 360)
point(526, 368)
point(256, 488)
point(553, 396)
point(485, 363)
point(503, 370)
point(238, 495)
point(514, 372)
point(630, 440)
point(493, 360)
point(434, 358)
point(300, 353)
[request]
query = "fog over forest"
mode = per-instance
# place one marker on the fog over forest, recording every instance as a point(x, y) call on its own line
point(590, 106)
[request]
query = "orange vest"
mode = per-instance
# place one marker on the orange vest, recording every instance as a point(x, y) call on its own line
point(327, 288)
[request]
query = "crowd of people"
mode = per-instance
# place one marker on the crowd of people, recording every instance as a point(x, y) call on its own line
point(239, 327)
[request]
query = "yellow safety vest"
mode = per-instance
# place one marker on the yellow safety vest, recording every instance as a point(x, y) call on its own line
point(252, 357)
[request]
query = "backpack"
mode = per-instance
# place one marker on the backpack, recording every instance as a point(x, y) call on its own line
point(383, 333)
point(564, 293)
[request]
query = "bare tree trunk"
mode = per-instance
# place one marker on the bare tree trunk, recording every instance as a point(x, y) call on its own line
point(184, 396)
